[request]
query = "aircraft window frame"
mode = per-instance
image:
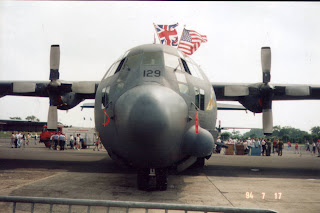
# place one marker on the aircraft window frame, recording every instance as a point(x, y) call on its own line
point(184, 89)
point(158, 59)
point(112, 69)
point(134, 58)
point(186, 68)
point(202, 99)
point(194, 70)
point(105, 75)
point(105, 97)
point(120, 65)
point(169, 61)
point(199, 98)
point(123, 56)
point(181, 77)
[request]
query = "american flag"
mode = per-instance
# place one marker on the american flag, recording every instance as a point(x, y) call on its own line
point(167, 34)
point(190, 41)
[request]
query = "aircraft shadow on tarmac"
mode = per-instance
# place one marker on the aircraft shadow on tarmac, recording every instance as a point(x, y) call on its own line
point(106, 165)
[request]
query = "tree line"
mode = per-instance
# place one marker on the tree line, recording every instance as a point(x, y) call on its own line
point(28, 118)
point(285, 134)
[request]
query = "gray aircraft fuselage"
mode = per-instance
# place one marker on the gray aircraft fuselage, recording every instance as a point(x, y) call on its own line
point(145, 108)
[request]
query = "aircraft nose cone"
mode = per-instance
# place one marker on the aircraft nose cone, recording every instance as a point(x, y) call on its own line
point(149, 111)
point(150, 122)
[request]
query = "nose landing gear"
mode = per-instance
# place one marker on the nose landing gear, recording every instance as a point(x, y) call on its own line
point(145, 177)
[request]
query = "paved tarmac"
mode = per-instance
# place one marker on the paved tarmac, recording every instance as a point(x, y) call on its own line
point(290, 183)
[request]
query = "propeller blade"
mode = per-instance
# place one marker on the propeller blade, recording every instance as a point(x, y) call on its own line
point(266, 64)
point(267, 121)
point(54, 62)
point(52, 118)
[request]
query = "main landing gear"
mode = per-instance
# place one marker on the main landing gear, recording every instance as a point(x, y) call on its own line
point(145, 176)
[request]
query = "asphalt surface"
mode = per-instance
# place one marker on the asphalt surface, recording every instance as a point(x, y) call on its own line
point(288, 183)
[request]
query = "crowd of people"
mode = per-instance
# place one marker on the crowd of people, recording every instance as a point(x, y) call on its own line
point(58, 141)
point(269, 146)
point(313, 147)
point(75, 142)
point(18, 140)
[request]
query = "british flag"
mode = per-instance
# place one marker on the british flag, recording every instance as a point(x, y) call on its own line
point(167, 34)
point(190, 41)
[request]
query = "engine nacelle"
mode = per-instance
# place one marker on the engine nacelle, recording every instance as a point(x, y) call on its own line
point(252, 103)
point(68, 101)
point(198, 145)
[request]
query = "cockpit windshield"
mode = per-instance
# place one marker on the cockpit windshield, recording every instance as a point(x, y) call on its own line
point(152, 58)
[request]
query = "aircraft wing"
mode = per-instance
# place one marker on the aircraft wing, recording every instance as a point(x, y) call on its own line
point(87, 105)
point(221, 106)
point(83, 89)
point(258, 97)
point(236, 92)
point(63, 95)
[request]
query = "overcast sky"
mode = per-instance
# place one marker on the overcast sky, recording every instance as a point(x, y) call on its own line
point(92, 35)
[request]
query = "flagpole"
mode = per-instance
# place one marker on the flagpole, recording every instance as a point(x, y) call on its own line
point(184, 27)
point(156, 32)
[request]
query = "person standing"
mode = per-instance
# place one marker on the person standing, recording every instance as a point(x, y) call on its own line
point(62, 141)
point(78, 142)
point(81, 143)
point(268, 147)
point(55, 138)
point(245, 147)
point(28, 137)
point(289, 145)
point(23, 141)
point(274, 145)
point(280, 147)
point(16, 140)
point(12, 138)
point(313, 148)
point(51, 142)
point(263, 144)
point(97, 144)
point(296, 149)
point(35, 139)
point(19, 138)
point(71, 140)
point(308, 147)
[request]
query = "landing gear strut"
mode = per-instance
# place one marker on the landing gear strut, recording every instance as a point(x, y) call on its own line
point(145, 175)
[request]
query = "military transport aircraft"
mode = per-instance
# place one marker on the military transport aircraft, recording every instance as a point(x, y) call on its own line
point(155, 108)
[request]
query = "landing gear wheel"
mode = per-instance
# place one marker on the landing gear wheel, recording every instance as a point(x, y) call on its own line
point(162, 179)
point(143, 179)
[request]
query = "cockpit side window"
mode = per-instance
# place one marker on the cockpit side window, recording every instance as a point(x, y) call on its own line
point(116, 67)
point(152, 58)
point(186, 68)
point(191, 68)
point(120, 65)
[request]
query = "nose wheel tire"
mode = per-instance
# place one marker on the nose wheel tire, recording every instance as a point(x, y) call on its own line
point(143, 179)
point(162, 179)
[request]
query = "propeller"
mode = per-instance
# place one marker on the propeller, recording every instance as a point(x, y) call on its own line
point(266, 91)
point(53, 89)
